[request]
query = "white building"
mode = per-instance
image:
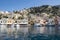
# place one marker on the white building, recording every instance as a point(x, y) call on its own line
point(3, 21)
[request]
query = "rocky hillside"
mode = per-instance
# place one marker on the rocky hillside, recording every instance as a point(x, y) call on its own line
point(54, 10)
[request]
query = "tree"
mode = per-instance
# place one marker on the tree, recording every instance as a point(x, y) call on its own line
point(0, 16)
point(20, 17)
point(5, 16)
point(16, 12)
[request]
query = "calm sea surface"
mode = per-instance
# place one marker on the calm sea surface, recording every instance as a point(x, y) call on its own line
point(31, 33)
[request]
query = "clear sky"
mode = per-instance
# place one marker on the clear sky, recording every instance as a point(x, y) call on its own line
point(10, 5)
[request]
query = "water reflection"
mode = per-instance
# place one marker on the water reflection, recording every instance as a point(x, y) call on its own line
point(26, 32)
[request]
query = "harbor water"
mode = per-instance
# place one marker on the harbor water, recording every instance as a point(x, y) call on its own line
point(29, 32)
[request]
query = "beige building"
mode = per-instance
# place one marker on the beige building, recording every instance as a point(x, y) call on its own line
point(10, 21)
